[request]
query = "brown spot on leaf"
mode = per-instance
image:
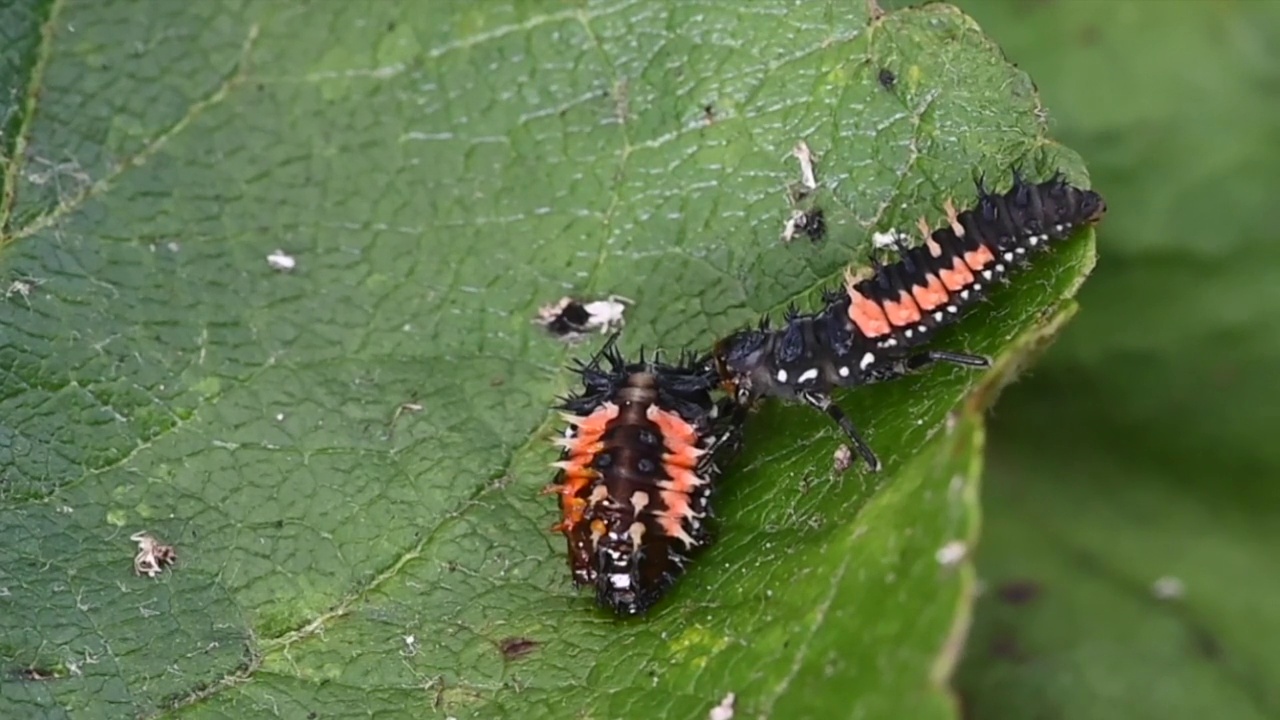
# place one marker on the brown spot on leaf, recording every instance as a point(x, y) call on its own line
point(1019, 592)
point(514, 648)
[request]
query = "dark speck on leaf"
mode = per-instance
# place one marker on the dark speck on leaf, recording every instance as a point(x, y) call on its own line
point(1019, 592)
point(1006, 647)
point(514, 648)
point(813, 224)
point(887, 79)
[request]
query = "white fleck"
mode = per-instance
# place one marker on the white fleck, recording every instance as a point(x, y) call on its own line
point(281, 260)
point(65, 509)
point(606, 314)
point(620, 581)
point(999, 267)
point(173, 247)
point(1008, 256)
point(909, 333)
point(1021, 251)
point(952, 553)
point(842, 458)
point(792, 226)
point(866, 360)
point(153, 556)
point(805, 156)
point(977, 286)
point(986, 275)
point(887, 239)
point(410, 646)
point(782, 376)
point(844, 371)
point(964, 294)
point(279, 417)
point(723, 711)
point(1168, 588)
point(952, 309)
point(937, 317)
point(807, 375)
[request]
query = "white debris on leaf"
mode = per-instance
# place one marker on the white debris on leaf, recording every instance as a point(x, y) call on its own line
point(723, 711)
point(570, 318)
point(805, 156)
point(793, 225)
point(1168, 588)
point(281, 260)
point(887, 239)
point(153, 556)
point(952, 553)
point(842, 458)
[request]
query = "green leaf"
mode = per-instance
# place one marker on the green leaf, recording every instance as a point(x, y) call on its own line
point(347, 455)
point(1143, 449)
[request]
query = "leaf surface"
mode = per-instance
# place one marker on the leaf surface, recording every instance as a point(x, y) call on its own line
point(347, 454)
point(1140, 459)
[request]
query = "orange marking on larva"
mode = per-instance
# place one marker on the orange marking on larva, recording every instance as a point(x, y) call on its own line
point(863, 312)
point(686, 458)
point(934, 248)
point(584, 452)
point(683, 480)
point(980, 258)
point(598, 421)
point(931, 295)
point(903, 312)
point(572, 509)
point(957, 277)
point(598, 527)
point(672, 426)
point(953, 218)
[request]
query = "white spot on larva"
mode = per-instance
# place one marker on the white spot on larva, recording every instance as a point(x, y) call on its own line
point(639, 500)
point(281, 260)
point(986, 275)
point(1008, 256)
point(866, 360)
point(952, 309)
point(977, 287)
point(782, 376)
point(1168, 588)
point(1021, 251)
point(909, 333)
point(636, 531)
point(937, 317)
point(723, 711)
point(620, 581)
point(1033, 240)
point(891, 342)
point(598, 495)
point(999, 267)
point(807, 375)
point(1059, 227)
point(952, 553)
point(844, 371)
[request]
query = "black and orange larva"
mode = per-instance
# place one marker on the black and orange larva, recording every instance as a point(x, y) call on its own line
point(638, 466)
point(871, 329)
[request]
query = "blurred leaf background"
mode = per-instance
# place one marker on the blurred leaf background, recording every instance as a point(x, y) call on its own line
point(1141, 447)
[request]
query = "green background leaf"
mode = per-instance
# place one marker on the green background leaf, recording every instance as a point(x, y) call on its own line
point(1142, 447)
point(439, 171)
